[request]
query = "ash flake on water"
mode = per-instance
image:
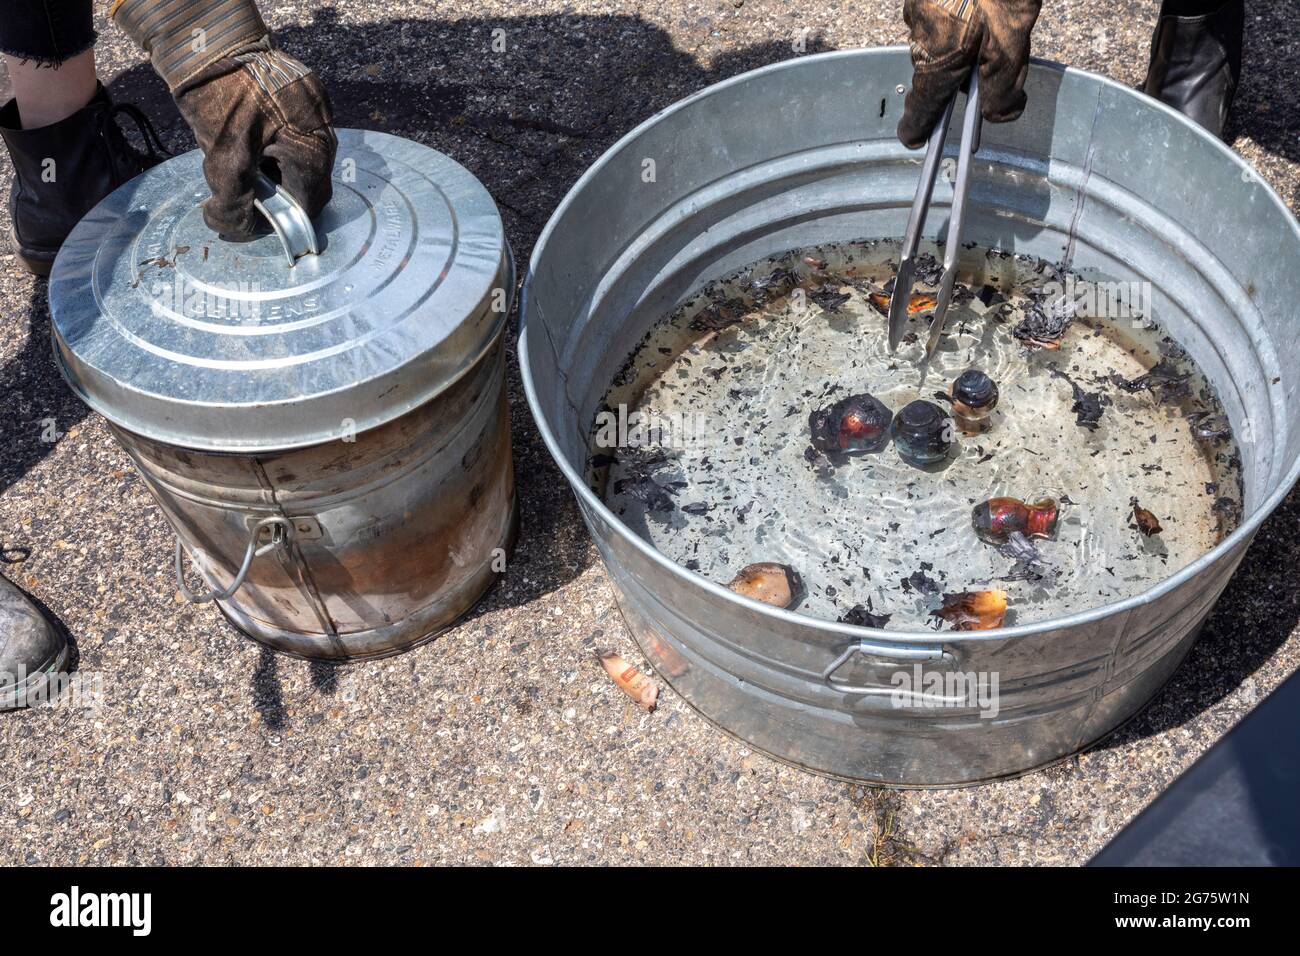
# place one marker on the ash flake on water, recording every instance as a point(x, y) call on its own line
point(1115, 411)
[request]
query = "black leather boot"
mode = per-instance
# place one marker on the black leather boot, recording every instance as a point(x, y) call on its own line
point(1196, 58)
point(32, 650)
point(62, 170)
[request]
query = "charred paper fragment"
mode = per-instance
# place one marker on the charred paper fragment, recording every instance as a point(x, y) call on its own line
point(962, 293)
point(1144, 520)
point(973, 396)
point(928, 269)
point(654, 496)
point(1208, 427)
point(640, 464)
point(1043, 327)
point(921, 582)
point(861, 615)
point(767, 581)
point(857, 424)
point(828, 297)
point(716, 318)
point(1030, 565)
point(1164, 374)
point(1228, 510)
point(997, 519)
point(773, 285)
point(1088, 406)
point(629, 680)
point(974, 610)
point(640, 460)
point(922, 432)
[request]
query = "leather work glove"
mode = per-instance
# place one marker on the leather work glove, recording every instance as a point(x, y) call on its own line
point(248, 103)
point(948, 39)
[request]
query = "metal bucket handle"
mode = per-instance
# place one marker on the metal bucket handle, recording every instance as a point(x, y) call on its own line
point(287, 217)
point(278, 537)
point(912, 652)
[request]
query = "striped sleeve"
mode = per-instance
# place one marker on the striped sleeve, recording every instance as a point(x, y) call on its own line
point(270, 69)
point(961, 9)
point(183, 37)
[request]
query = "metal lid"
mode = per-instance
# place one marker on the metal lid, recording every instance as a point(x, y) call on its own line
point(174, 334)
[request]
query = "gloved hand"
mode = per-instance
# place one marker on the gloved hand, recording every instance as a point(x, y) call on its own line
point(246, 102)
point(948, 39)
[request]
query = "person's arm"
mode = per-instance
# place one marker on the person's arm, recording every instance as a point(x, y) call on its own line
point(248, 103)
point(948, 38)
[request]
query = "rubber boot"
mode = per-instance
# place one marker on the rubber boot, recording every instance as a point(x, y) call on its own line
point(32, 649)
point(1196, 58)
point(62, 170)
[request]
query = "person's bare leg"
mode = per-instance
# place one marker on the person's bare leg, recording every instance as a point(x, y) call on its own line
point(46, 94)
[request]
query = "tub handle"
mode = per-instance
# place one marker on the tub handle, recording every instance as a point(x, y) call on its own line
point(899, 652)
point(290, 221)
point(279, 535)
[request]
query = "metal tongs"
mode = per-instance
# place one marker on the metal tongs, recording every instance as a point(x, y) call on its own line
point(970, 142)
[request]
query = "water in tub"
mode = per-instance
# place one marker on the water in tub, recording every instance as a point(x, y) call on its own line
point(705, 446)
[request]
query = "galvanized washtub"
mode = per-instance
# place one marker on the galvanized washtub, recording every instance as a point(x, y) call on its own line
point(802, 152)
point(319, 412)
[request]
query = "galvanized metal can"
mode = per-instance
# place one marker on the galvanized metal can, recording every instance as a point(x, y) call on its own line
point(319, 412)
point(1095, 175)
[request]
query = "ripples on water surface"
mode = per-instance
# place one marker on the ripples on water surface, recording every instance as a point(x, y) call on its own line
point(736, 371)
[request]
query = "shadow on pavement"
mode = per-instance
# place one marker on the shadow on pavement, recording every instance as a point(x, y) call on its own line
point(1267, 107)
point(39, 407)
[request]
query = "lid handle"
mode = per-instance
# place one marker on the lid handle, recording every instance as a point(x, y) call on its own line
point(289, 220)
